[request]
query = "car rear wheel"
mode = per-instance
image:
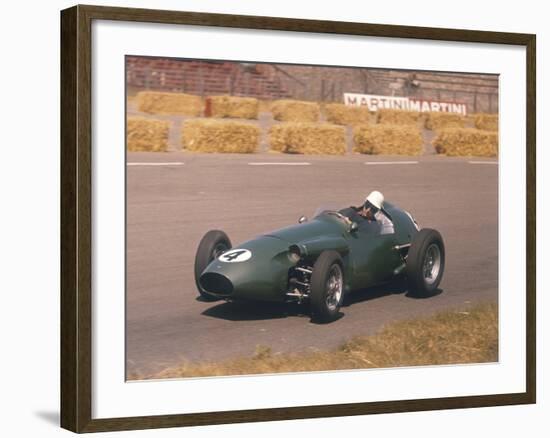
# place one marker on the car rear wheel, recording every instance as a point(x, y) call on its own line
point(425, 263)
point(212, 245)
point(327, 287)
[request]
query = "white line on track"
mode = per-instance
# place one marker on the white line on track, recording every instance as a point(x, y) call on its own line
point(376, 163)
point(273, 163)
point(483, 162)
point(173, 163)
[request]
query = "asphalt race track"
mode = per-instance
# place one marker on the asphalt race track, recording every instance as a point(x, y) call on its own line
point(174, 198)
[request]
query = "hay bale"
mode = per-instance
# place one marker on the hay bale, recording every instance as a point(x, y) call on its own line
point(154, 102)
point(308, 138)
point(146, 134)
point(210, 135)
point(233, 107)
point(388, 140)
point(471, 142)
point(295, 111)
point(278, 137)
point(435, 120)
point(341, 114)
point(397, 117)
point(486, 122)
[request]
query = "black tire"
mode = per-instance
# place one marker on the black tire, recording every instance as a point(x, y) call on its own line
point(327, 264)
point(423, 279)
point(213, 244)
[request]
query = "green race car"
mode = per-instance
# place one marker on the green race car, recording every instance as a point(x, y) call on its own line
point(320, 260)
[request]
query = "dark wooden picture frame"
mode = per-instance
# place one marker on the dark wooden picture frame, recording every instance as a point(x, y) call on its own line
point(76, 217)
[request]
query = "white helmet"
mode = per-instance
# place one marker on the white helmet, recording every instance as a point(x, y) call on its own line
point(376, 199)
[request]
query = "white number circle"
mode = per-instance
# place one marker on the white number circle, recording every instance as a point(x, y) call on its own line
point(235, 255)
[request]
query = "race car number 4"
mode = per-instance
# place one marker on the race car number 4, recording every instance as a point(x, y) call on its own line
point(235, 255)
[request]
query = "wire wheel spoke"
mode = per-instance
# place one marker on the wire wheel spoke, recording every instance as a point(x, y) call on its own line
point(334, 287)
point(432, 263)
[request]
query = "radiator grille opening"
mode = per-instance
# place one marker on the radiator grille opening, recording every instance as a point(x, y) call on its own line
point(216, 284)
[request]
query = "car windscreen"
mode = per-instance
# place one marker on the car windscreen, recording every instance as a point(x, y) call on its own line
point(324, 209)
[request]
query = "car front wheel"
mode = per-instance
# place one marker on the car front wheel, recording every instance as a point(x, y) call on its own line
point(425, 263)
point(327, 287)
point(212, 245)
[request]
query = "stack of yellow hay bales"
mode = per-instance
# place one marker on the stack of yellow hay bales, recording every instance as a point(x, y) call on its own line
point(155, 102)
point(210, 135)
point(466, 142)
point(388, 139)
point(486, 122)
point(341, 114)
point(398, 117)
point(308, 138)
point(234, 107)
point(146, 135)
point(436, 121)
point(295, 111)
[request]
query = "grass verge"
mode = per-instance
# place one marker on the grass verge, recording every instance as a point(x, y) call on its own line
point(451, 337)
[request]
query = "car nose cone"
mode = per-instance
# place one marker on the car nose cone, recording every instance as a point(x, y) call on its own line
point(216, 283)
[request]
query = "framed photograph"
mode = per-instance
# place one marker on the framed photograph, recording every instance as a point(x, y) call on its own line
point(268, 218)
